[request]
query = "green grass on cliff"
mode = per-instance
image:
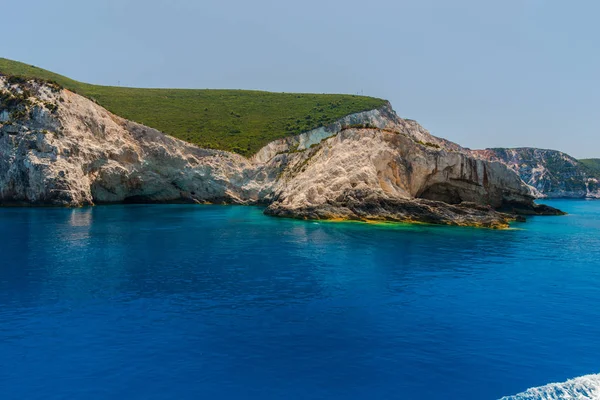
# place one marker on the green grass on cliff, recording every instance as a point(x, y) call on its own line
point(593, 164)
point(235, 120)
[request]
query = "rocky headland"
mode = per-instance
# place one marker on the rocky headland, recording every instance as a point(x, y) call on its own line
point(549, 173)
point(59, 148)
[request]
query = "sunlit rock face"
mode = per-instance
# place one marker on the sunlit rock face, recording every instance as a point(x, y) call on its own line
point(549, 173)
point(58, 148)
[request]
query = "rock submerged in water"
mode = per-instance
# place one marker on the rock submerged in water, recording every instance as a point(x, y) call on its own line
point(58, 148)
point(356, 206)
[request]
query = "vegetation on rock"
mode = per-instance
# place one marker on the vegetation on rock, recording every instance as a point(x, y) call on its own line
point(592, 164)
point(551, 172)
point(242, 121)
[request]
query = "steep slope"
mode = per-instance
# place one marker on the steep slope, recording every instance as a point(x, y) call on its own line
point(550, 173)
point(59, 148)
point(592, 164)
point(384, 171)
point(240, 121)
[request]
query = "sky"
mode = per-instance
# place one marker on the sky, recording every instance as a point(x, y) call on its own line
point(509, 73)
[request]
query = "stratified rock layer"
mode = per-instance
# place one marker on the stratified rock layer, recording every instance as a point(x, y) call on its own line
point(58, 148)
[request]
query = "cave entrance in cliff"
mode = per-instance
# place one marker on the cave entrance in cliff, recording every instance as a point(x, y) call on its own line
point(442, 192)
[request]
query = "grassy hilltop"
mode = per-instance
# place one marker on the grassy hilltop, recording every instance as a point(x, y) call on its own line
point(235, 120)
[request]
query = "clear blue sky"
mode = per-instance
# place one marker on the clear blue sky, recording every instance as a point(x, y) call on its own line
point(481, 73)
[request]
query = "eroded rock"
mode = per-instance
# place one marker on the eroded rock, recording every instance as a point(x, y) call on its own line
point(59, 148)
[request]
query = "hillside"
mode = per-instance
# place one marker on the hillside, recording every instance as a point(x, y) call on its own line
point(60, 148)
point(242, 121)
point(593, 164)
point(550, 173)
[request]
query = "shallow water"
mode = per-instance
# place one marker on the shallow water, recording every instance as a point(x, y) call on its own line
point(188, 302)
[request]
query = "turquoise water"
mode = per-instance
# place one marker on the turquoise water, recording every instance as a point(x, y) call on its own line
point(188, 302)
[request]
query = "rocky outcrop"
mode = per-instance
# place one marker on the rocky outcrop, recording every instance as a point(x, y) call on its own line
point(59, 148)
point(363, 172)
point(550, 173)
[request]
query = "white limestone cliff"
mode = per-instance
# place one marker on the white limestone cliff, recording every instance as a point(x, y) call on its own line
point(549, 173)
point(58, 148)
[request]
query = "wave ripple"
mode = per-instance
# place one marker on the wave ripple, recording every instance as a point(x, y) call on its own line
point(582, 388)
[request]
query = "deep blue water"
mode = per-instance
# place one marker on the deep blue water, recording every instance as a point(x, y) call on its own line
point(212, 302)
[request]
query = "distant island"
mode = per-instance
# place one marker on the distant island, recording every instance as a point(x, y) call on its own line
point(305, 156)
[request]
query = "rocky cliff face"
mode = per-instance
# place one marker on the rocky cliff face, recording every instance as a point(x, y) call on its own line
point(549, 173)
point(59, 148)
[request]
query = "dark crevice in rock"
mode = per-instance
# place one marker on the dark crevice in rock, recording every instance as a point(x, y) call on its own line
point(442, 192)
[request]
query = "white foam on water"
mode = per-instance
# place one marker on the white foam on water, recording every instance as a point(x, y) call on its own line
point(583, 388)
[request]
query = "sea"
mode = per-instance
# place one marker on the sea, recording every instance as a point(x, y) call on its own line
point(223, 302)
